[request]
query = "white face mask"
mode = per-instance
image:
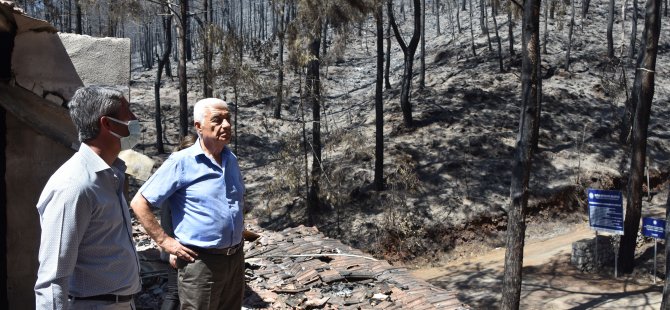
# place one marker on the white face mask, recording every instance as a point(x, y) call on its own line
point(133, 138)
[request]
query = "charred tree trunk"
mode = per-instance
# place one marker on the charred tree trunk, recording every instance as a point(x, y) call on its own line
point(451, 19)
point(324, 37)
point(211, 11)
point(167, 29)
point(486, 25)
point(494, 12)
point(643, 93)
point(165, 59)
point(530, 95)
point(510, 29)
point(408, 53)
point(379, 104)
point(99, 20)
point(545, 33)
point(147, 48)
point(482, 16)
point(422, 77)
point(280, 60)
point(68, 19)
point(77, 29)
point(207, 54)
point(111, 19)
point(387, 64)
point(472, 31)
point(610, 27)
point(313, 85)
point(157, 108)
point(633, 33)
point(240, 33)
point(187, 29)
point(570, 30)
point(458, 16)
point(585, 9)
point(181, 68)
point(436, 4)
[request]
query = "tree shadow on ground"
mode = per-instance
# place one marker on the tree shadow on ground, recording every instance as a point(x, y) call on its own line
point(553, 285)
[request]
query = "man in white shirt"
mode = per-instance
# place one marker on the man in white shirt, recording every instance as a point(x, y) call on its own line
point(87, 256)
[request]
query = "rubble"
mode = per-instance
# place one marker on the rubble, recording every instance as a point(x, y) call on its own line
point(300, 268)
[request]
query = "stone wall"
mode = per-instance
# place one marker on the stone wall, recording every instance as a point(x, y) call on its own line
point(584, 254)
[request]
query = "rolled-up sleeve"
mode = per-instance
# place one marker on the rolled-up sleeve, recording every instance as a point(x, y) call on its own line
point(163, 183)
point(65, 213)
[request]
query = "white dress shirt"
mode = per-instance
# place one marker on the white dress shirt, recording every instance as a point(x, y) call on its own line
point(86, 246)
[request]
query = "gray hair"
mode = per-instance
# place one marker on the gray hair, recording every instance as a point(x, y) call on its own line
point(203, 105)
point(89, 104)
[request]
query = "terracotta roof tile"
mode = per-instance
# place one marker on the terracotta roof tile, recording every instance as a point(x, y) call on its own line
point(301, 268)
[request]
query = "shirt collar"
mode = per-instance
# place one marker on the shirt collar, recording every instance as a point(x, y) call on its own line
point(96, 163)
point(196, 150)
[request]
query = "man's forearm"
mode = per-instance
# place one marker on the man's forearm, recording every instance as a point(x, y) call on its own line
point(142, 211)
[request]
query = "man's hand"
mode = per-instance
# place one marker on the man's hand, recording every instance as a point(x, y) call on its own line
point(175, 248)
point(143, 213)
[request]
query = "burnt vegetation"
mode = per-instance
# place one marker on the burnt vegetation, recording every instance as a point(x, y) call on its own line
point(300, 77)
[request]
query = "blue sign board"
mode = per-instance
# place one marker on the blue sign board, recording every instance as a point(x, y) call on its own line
point(606, 210)
point(652, 227)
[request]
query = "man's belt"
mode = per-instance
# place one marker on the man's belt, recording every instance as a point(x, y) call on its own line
point(105, 297)
point(223, 251)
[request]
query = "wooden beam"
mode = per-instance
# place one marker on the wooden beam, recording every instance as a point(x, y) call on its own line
point(45, 117)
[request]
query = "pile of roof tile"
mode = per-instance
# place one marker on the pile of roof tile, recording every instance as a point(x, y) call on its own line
point(301, 268)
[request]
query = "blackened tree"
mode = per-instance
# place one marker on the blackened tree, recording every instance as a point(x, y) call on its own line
point(610, 27)
point(531, 92)
point(408, 51)
point(379, 104)
point(163, 62)
point(642, 95)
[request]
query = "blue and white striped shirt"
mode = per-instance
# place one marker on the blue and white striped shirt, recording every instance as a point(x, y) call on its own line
point(86, 247)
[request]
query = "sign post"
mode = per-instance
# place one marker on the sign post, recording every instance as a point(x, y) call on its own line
point(655, 228)
point(606, 215)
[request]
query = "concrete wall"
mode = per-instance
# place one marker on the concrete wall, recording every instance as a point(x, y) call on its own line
point(31, 159)
point(103, 61)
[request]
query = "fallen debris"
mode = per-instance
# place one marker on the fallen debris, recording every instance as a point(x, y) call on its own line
point(300, 268)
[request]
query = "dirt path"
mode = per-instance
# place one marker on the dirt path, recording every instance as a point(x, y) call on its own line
point(549, 280)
